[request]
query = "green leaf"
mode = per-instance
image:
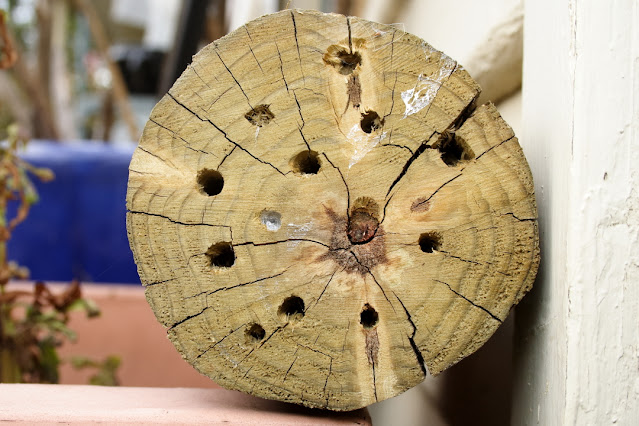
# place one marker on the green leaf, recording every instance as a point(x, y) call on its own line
point(87, 305)
point(49, 361)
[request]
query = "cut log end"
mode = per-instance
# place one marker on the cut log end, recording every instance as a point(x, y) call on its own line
point(320, 215)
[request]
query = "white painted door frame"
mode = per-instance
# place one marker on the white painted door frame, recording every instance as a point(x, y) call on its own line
point(577, 345)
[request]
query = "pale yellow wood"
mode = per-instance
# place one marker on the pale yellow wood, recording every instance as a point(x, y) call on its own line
point(320, 215)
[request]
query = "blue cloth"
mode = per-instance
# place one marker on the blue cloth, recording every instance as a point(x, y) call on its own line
point(78, 228)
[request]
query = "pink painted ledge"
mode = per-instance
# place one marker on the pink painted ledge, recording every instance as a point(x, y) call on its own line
point(73, 404)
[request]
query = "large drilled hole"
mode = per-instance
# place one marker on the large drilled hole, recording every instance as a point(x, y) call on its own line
point(306, 162)
point(344, 61)
point(363, 221)
point(210, 181)
point(369, 317)
point(454, 149)
point(292, 308)
point(271, 220)
point(254, 333)
point(371, 122)
point(259, 116)
point(429, 242)
point(221, 255)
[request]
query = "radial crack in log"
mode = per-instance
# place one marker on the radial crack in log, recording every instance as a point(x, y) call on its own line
point(305, 177)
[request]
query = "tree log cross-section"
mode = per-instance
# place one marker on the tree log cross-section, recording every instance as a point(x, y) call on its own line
point(320, 213)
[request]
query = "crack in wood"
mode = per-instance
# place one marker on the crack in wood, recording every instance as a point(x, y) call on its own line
point(209, 293)
point(233, 77)
point(422, 148)
point(175, 135)
point(297, 44)
point(494, 146)
point(182, 321)
point(268, 243)
point(470, 301)
point(348, 194)
point(159, 282)
point(279, 55)
point(422, 202)
point(219, 341)
point(224, 134)
point(411, 338)
point(177, 222)
point(251, 49)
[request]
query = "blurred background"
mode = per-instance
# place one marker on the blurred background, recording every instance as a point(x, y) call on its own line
point(88, 74)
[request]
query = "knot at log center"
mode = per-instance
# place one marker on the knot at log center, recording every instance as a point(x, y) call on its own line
point(362, 227)
point(357, 243)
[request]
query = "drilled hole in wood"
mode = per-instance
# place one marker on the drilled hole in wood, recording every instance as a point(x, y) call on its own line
point(368, 317)
point(271, 220)
point(344, 61)
point(371, 122)
point(221, 255)
point(292, 308)
point(363, 221)
point(254, 333)
point(210, 181)
point(306, 162)
point(454, 149)
point(429, 242)
point(259, 116)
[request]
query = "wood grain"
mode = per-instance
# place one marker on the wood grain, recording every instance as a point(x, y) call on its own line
point(320, 214)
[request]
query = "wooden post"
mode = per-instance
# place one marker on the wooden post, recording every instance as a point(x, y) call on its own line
point(578, 333)
point(321, 215)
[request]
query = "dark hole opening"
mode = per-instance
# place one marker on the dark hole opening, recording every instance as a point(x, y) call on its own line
point(453, 149)
point(259, 116)
point(292, 308)
point(255, 332)
point(369, 317)
point(371, 122)
point(306, 162)
point(210, 181)
point(349, 61)
point(429, 242)
point(221, 255)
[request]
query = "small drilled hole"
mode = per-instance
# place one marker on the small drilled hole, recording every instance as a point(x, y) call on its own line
point(344, 61)
point(429, 242)
point(371, 122)
point(259, 116)
point(221, 255)
point(454, 149)
point(349, 61)
point(369, 317)
point(271, 220)
point(306, 162)
point(210, 181)
point(254, 333)
point(292, 308)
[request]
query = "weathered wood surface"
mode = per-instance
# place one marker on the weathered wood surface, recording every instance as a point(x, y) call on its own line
point(320, 214)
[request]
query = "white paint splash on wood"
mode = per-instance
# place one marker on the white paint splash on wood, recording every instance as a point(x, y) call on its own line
point(362, 143)
point(297, 231)
point(426, 87)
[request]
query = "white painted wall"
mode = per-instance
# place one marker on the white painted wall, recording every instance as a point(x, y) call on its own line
point(578, 331)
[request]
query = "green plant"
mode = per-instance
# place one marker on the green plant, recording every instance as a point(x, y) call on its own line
point(105, 371)
point(33, 323)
